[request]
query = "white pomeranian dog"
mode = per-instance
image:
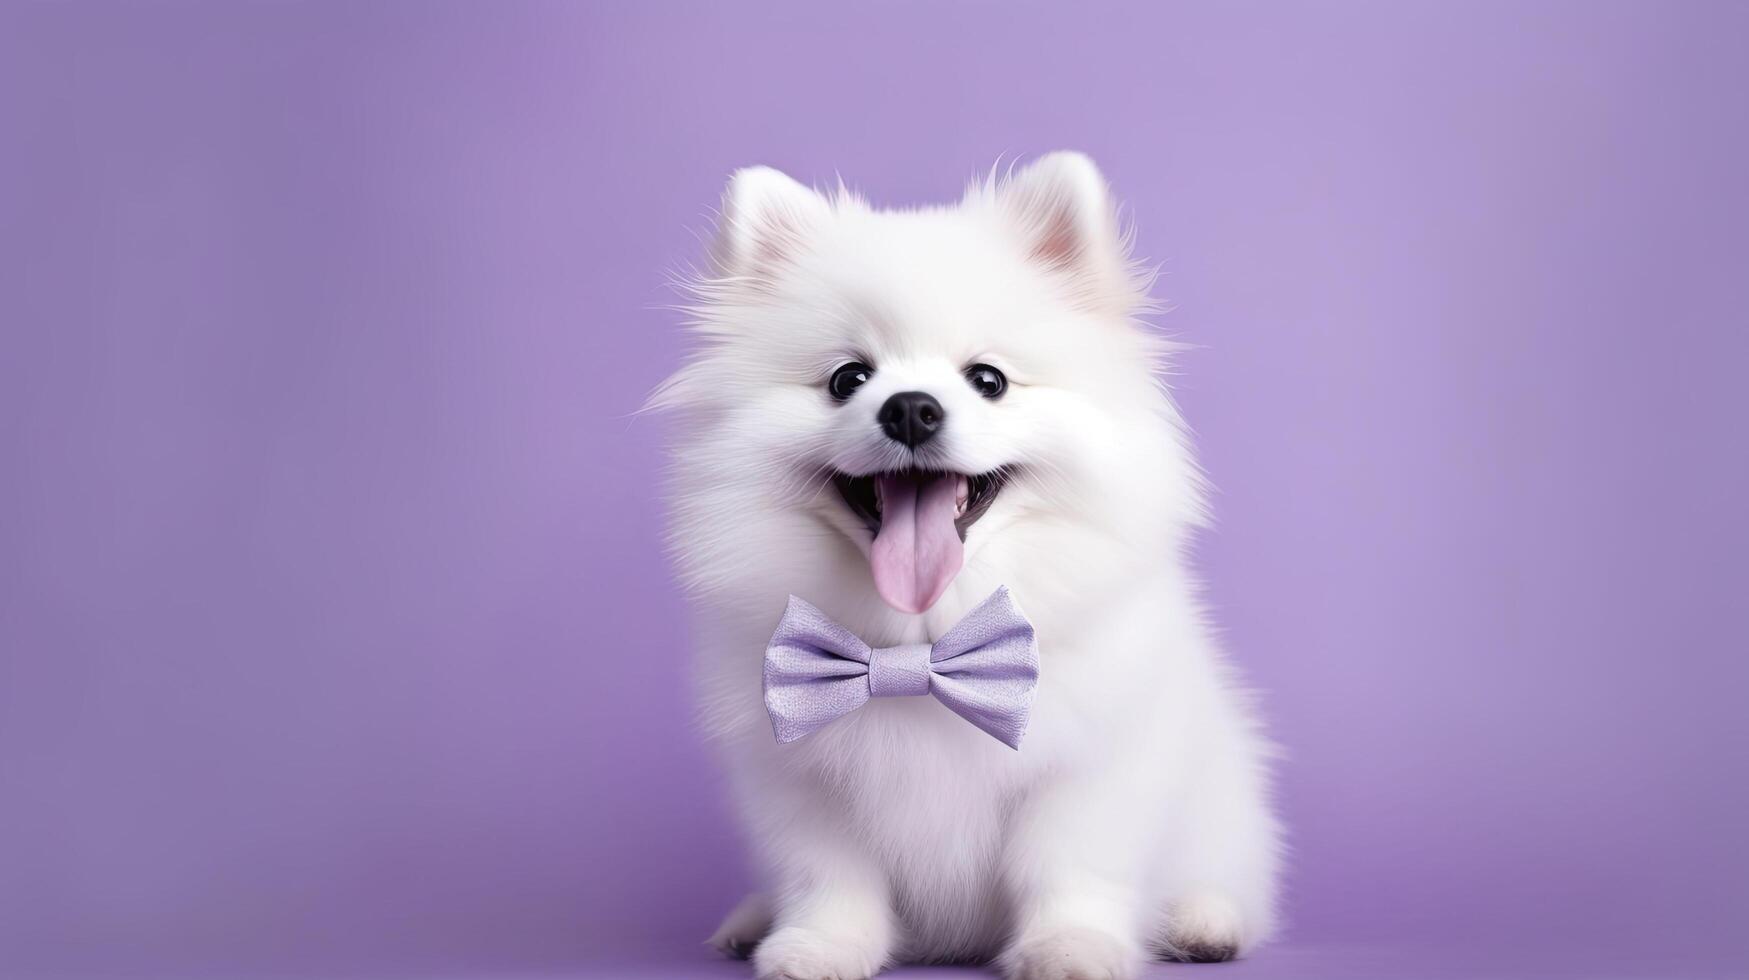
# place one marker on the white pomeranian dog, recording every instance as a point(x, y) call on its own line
point(890, 414)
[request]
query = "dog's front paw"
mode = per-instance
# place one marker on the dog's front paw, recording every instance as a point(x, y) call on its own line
point(1071, 954)
point(798, 953)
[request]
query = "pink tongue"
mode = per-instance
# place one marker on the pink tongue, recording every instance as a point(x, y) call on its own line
point(918, 550)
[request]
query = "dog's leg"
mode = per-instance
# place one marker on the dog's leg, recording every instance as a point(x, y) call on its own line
point(743, 928)
point(832, 913)
point(833, 923)
point(1071, 869)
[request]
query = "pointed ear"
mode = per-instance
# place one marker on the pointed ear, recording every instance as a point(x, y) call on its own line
point(766, 218)
point(1063, 210)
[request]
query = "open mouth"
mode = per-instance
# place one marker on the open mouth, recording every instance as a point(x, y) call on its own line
point(919, 519)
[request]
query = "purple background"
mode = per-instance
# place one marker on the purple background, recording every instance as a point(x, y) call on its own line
point(334, 630)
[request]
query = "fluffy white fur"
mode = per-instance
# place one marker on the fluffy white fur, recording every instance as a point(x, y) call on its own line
point(1134, 820)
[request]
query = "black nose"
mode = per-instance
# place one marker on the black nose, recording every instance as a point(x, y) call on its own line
point(911, 417)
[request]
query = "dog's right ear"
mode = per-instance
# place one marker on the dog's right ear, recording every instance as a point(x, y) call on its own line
point(1063, 212)
point(766, 217)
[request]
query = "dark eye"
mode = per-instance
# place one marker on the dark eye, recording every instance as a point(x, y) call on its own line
point(848, 378)
point(988, 381)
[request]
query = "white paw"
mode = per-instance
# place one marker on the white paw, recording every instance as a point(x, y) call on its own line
point(797, 953)
point(1071, 954)
point(1202, 928)
point(743, 928)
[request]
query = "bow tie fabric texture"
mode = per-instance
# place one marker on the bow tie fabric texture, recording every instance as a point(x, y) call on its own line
point(985, 669)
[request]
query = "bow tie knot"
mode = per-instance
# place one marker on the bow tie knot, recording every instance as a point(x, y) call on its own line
point(898, 672)
point(984, 669)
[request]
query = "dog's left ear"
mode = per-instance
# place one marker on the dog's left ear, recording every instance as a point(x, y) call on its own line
point(1062, 208)
point(766, 218)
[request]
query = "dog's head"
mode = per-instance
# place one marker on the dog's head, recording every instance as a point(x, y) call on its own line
point(930, 385)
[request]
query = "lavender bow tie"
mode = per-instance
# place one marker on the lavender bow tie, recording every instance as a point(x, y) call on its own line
point(984, 670)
